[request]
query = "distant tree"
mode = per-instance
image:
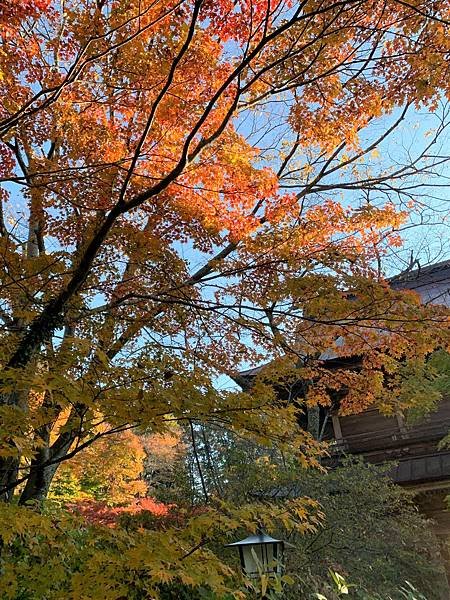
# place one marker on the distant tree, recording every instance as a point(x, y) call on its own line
point(163, 455)
point(110, 471)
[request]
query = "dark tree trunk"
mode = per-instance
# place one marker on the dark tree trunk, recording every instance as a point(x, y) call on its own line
point(40, 477)
point(9, 465)
point(9, 473)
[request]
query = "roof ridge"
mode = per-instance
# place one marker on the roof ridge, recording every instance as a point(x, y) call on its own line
point(416, 273)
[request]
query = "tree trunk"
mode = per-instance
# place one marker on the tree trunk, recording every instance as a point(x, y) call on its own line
point(9, 472)
point(41, 473)
point(40, 478)
point(38, 482)
point(314, 421)
point(9, 465)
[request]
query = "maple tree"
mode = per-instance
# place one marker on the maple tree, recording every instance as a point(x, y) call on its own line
point(57, 555)
point(110, 470)
point(170, 208)
point(13, 12)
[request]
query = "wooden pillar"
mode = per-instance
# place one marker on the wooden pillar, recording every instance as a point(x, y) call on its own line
point(402, 425)
point(337, 430)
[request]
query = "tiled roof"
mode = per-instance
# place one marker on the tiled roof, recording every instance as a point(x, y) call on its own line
point(432, 283)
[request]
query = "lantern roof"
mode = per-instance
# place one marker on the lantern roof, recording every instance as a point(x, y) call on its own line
point(259, 538)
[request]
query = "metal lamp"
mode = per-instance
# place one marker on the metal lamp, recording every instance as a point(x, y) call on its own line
point(261, 554)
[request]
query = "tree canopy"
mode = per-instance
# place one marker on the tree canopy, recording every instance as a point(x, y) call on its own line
point(192, 185)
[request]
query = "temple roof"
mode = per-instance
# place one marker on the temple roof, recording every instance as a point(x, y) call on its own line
point(432, 283)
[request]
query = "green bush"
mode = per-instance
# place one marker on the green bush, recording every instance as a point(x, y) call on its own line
point(372, 535)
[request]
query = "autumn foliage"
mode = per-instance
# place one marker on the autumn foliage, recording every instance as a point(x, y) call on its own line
point(110, 470)
point(188, 186)
point(14, 11)
point(100, 513)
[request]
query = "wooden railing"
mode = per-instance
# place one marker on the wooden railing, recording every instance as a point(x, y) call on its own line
point(390, 437)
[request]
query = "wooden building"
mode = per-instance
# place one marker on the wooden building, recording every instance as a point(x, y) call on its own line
point(419, 465)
